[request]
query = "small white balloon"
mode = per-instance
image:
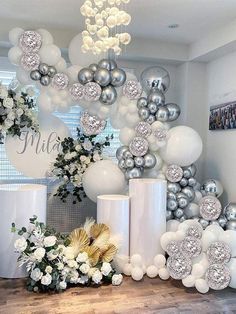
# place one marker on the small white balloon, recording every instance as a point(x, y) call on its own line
point(201, 259)
point(126, 135)
point(159, 261)
point(232, 268)
point(72, 73)
point(61, 65)
point(166, 238)
point(15, 55)
point(198, 196)
point(15, 34)
point(127, 269)
point(198, 270)
point(23, 76)
point(217, 230)
point(201, 285)
point(45, 103)
point(229, 237)
point(189, 281)
point(208, 238)
point(50, 54)
point(192, 210)
point(47, 38)
point(137, 273)
point(136, 260)
point(180, 235)
point(164, 274)
point(172, 225)
point(152, 271)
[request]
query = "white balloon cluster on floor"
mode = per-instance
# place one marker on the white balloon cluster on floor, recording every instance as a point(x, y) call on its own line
point(103, 18)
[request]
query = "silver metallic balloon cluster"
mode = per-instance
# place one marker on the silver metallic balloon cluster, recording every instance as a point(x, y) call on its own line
point(155, 82)
point(101, 80)
point(181, 253)
point(181, 186)
point(133, 160)
point(44, 74)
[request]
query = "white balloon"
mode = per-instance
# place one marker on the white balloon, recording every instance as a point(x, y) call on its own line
point(127, 269)
point(103, 177)
point(189, 281)
point(136, 260)
point(201, 285)
point(198, 196)
point(198, 270)
point(217, 230)
point(164, 274)
point(76, 56)
point(132, 119)
point(61, 65)
point(229, 236)
point(126, 135)
point(50, 54)
point(152, 271)
point(159, 261)
point(232, 267)
point(208, 238)
point(184, 146)
point(14, 55)
point(201, 259)
point(23, 76)
point(15, 34)
point(45, 103)
point(172, 225)
point(137, 273)
point(72, 73)
point(192, 210)
point(47, 38)
point(166, 238)
point(180, 235)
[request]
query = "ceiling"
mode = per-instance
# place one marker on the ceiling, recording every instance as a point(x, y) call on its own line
point(150, 18)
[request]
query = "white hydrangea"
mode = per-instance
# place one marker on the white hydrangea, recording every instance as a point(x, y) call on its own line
point(36, 274)
point(117, 280)
point(97, 277)
point(106, 268)
point(84, 268)
point(20, 245)
point(49, 241)
point(82, 257)
point(46, 280)
point(39, 254)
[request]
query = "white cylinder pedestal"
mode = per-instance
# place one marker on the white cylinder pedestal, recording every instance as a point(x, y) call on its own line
point(148, 217)
point(18, 203)
point(113, 210)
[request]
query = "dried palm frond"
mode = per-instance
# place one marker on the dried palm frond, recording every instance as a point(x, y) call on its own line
point(78, 240)
point(93, 254)
point(97, 229)
point(88, 225)
point(108, 255)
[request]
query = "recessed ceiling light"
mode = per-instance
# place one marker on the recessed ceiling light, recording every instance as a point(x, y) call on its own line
point(173, 26)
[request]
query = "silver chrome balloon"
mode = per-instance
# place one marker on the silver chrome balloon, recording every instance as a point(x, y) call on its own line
point(118, 77)
point(172, 204)
point(149, 161)
point(231, 225)
point(139, 161)
point(35, 75)
point(156, 97)
point(151, 119)
point(155, 77)
point(43, 68)
point(178, 213)
point(183, 218)
point(173, 187)
point(230, 211)
point(142, 102)
point(204, 223)
point(182, 199)
point(52, 71)
point(212, 187)
point(152, 107)
point(192, 181)
point(192, 168)
point(189, 192)
point(108, 64)
point(187, 173)
point(120, 152)
point(174, 111)
point(222, 220)
point(133, 173)
point(102, 77)
point(121, 164)
point(45, 80)
point(171, 195)
point(108, 95)
point(162, 114)
point(169, 215)
point(143, 113)
point(183, 182)
point(94, 67)
point(129, 163)
point(127, 154)
point(85, 75)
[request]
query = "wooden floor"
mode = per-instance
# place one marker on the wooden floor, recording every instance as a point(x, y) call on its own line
point(147, 296)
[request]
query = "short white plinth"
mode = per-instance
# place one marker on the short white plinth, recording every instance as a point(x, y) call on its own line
point(147, 218)
point(113, 210)
point(18, 203)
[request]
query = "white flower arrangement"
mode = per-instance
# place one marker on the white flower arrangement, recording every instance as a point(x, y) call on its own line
point(16, 113)
point(55, 261)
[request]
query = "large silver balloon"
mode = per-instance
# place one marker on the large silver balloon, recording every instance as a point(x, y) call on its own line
point(187, 173)
point(156, 97)
point(107, 64)
point(152, 107)
point(52, 71)
point(133, 173)
point(139, 161)
point(162, 114)
point(43, 68)
point(144, 113)
point(173, 187)
point(45, 80)
point(231, 225)
point(85, 75)
point(142, 102)
point(120, 152)
point(155, 77)
point(189, 192)
point(35, 75)
point(230, 211)
point(102, 77)
point(118, 77)
point(183, 182)
point(174, 111)
point(109, 95)
point(149, 161)
point(212, 187)
point(94, 67)
point(129, 163)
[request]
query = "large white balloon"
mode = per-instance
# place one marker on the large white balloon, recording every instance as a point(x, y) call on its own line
point(47, 38)
point(232, 267)
point(229, 236)
point(103, 177)
point(15, 34)
point(23, 76)
point(184, 146)
point(14, 55)
point(76, 56)
point(50, 54)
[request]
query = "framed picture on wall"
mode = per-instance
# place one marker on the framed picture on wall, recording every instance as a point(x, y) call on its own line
point(223, 116)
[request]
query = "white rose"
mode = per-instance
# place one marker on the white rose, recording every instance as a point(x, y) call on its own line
point(36, 274)
point(60, 266)
point(8, 123)
point(82, 257)
point(84, 268)
point(97, 277)
point(20, 245)
point(72, 263)
point(49, 241)
point(83, 158)
point(87, 145)
point(74, 276)
point(117, 280)
point(52, 255)
point(73, 154)
point(67, 156)
point(8, 103)
point(106, 269)
point(48, 269)
point(11, 115)
point(87, 161)
point(39, 254)
point(69, 252)
point(46, 280)
point(3, 92)
point(96, 157)
point(19, 112)
point(63, 285)
point(78, 147)
point(82, 280)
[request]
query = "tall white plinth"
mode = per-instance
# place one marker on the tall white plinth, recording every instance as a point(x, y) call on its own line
point(113, 210)
point(147, 218)
point(18, 203)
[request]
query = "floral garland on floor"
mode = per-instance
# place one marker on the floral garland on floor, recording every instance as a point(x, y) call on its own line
point(70, 165)
point(55, 261)
point(16, 112)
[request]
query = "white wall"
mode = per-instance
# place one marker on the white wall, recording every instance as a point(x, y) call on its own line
point(220, 157)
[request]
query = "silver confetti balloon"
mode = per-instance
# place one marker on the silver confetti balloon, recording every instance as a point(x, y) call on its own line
point(174, 111)
point(45, 80)
point(118, 77)
point(156, 97)
point(142, 102)
point(60, 81)
point(76, 91)
point(149, 161)
point(133, 173)
point(173, 248)
point(189, 192)
point(151, 119)
point(120, 152)
point(30, 41)
point(218, 253)
point(139, 162)
point(160, 134)
point(152, 107)
point(132, 89)
point(169, 215)
point(138, 146)
point(143, 113)
point(52, 71)
point(210, 207)
point(108, 64)
point(191, 246)
point(94, 67)
point(204, 223)
point(212, 187)
point(85, 75)
point(218, 276)
point(30, 61)
point(108, 95)
point(35, 75)
point(91, 124)
point(179, 266)
point(173, 187)
point(92, 91)
point(194, 231)
point(155, 77)
point(174, 173)
point(129, 163)
point(231, 225)
point(102, 77)
point(143, 129)
point(43, 68)
point(162, 114)
point(178, 213)
point(172, 204)
point(230, 211)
